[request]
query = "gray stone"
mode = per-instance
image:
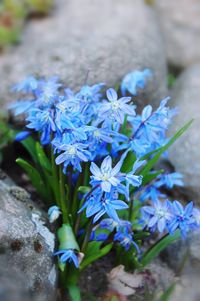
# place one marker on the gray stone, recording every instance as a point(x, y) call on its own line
point(163, 275)
point(185, 154)
point(184, 258)
point(187, 288)
point(26, 244)
point(182, 252)
point(195, 247)
point(180, 23)
point(176, 254)
point(108, 37)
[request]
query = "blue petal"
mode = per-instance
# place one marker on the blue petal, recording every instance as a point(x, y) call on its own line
point(111, 94)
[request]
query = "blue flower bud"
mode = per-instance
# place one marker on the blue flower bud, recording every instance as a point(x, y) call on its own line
point(22, 135)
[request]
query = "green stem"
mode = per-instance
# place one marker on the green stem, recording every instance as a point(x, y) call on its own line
point(87, 236)
point(123, 130)
point(75, 203)
point(72, 286)
point(69, 279)
point(86, 174)
point(78, 220)
point(130, 215)
point(55, 178)
point(74, 292)
point(63, 195)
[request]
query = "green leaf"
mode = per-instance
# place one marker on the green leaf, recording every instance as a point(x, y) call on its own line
point(128, 162)
point(94, 252)
point(167, 293)
point(153, 161)
point(155, 250)
point(30, 145)
point(34, 176)
point(151, 176)
point(43, 159)
point(141, 235)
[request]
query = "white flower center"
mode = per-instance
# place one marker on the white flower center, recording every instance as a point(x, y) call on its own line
point(96, 133)
point(61, 107)
point(160, 213)
point(71, 150)
point(126, 240)
point(105, 176)
point(115, 105)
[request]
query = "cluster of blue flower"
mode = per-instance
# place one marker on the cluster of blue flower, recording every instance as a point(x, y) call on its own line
point(169, 216)
point(88, 127)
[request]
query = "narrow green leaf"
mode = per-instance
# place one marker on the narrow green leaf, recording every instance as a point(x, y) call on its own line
point(94, 252)
point(74, 292)
point(30, 145)
point(128, 162)
point(42, 158)
point(167, 293)
point(155, 250)
point(151, 176)
point(153, 161)
point(141, 235)
point(34, 176)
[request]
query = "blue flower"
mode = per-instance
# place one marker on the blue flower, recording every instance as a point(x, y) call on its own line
point(98, 237)
point(131, 179)
point(47, 91)
point(169, 180)
point(73, 154)
point(196, 216)
point(134, 80)
point(125, 239)
point(42, 121)
point(151, 192)
point(22, 135)
point(91, 93)
point(100, 203)
point(53, 213)
point(109, 206)
point(70, 104)
point(28, 85)
point(182, 218)
point(22, 107)
point(68, 255)
point(158, 214)
point(101, 134)
point(106, 176)
point(149, 129)
point(110, 224)
point(116, 109)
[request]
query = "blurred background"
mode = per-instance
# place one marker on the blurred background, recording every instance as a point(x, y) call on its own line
point(105, 39)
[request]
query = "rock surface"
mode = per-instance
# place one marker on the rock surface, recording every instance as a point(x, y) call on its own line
point(183, 257)
point(26, 244)
point(187, 288)
point(185, 154)
point(180, 23)
point(109, 38)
